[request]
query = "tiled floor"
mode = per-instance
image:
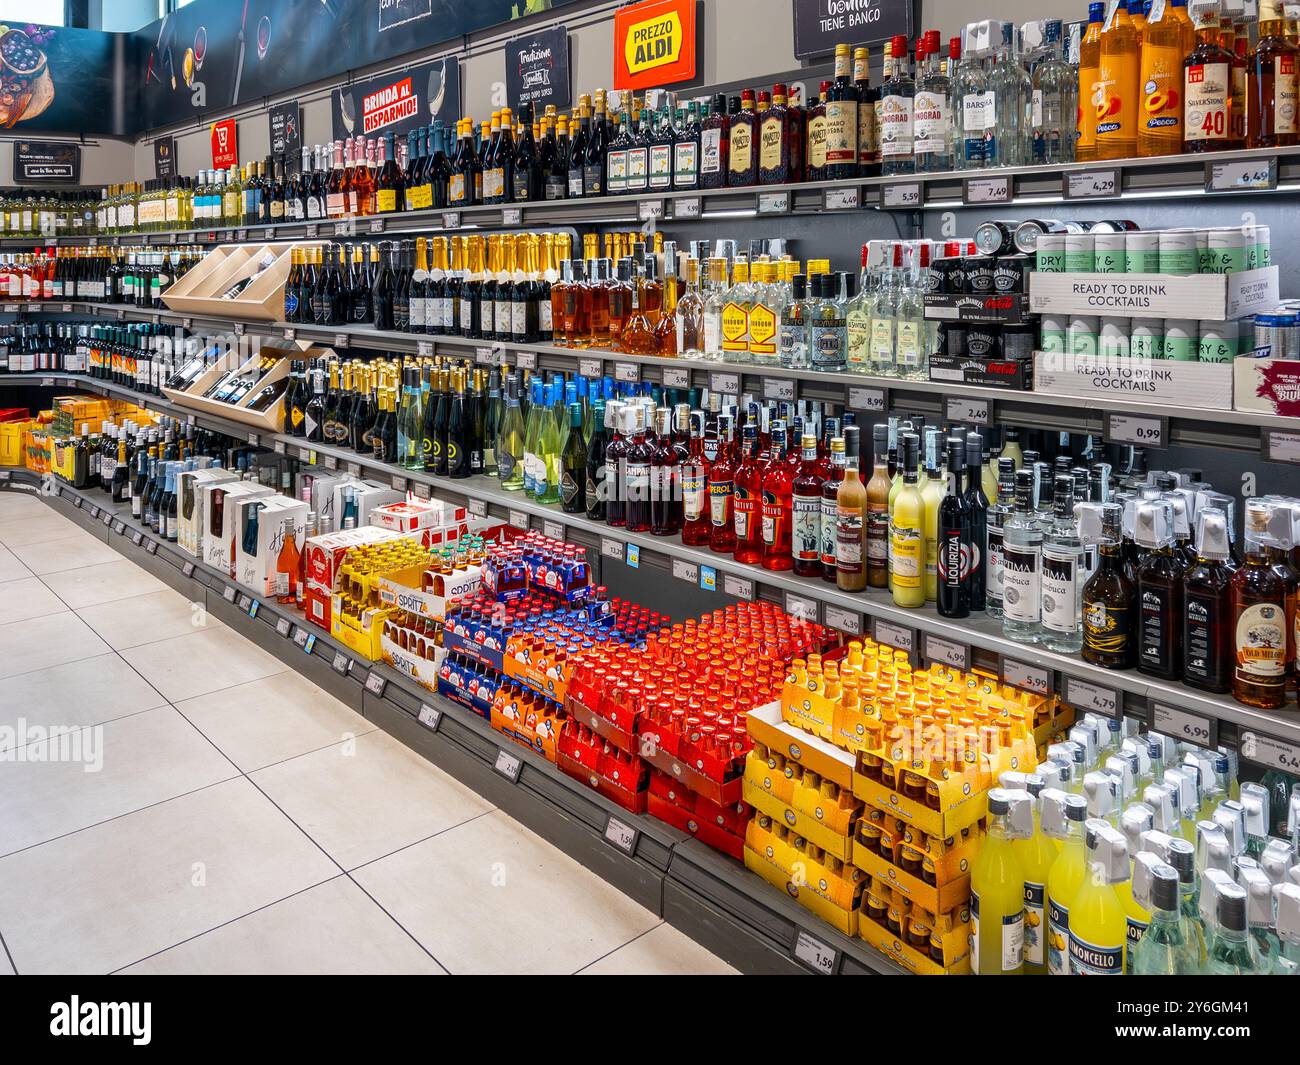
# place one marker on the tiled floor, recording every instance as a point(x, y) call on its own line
point(208, 810)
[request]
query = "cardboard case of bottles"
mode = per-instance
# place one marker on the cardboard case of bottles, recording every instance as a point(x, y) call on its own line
point(1271, 386)
point(953, 929)
point(424, 671)
point(219, 543)
point(256, 571)
point(199, 291)
point(794, 865)
point(192, 531)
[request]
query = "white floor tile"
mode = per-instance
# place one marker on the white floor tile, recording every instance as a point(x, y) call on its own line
point(111, 895)
point(29, 598)
point(32, 528)
point(492, 897)
point(146, 618)
point(85, 692)
point(333, 928)
point(5, 968)
point(202, 661)
point(72, 551)
point(663, 951)
point(367, 797)
point(107, 770)
point(103, 583)
point(10, 568)
point(20, 505)
point(46, 641)
point(269, 720)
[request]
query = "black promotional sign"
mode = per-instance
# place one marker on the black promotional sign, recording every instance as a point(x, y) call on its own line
point(39, 161)
point(286, 128)
point(819, 25)
point(537, 69)
point(398, 103)
point(164, 157)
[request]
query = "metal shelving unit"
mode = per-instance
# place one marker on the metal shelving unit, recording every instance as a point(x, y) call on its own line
point(1163, 705)
point(709, 896)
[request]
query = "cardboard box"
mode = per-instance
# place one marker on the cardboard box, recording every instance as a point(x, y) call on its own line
point(412, 514)
point(325, 553)
point(1005, 308)
point(421, 670)
point(219, 545)
point(1268, 385)
point(1012, 374)
point(192, 530)
point(956, 945)
point(1207, 297)
point(257, 571)
point(795, 745)
point(787, 864)
point(839, 844)
point(1162, 383)
point(432, 603)
point(369, 497)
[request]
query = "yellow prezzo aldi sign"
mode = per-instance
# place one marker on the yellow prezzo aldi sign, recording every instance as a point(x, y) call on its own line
point(654, 44)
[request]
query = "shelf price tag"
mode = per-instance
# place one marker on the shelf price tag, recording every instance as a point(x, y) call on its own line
point(519, 519)
point(1091, 184)
point(244, 602)
point(629, 372)
point(119, 528)
point(1084, 695)
point(399, 484)
point(815, 954)
point(421, 490)
point(291, 334)
point(1270, 752)
point(508, 765)
point(1254, 175)
point(253, 439)
point(947, 652)
point(484, 356)
point(341, 664)
point(983, 190)
point(188, 569)
point(283, 626)
point(228, 593)
point(800, 606)
point(686, 571)
point(675, 377)
point(300, 636)
point(553, 530)
point(526, 360)
point(842, 199)
point(774, 203)
point(611, 548)
point(375, 684)
point(1141, 430)
point(724, 384)
point(872, 400)
point(1027, 677)
point(901, 194)
point(151, 547)
point(478, 507)
point(968, 411)
point(849, 621)
point(354, 469)
point(590, 367)
point(450, 219)
point(424, 348)
point(512, 216)
point(738, 587)
point(688, 207)
point(376, 225)
point(137, 539)
point(331, 462)
point(429, 717)
point(1182, 725)
point(1278, 445)
point(621, 836)
point(278, 447)
point(340, 340)
point(647, 210)
point(778, 388)
point(76, 500)
point(894, 635)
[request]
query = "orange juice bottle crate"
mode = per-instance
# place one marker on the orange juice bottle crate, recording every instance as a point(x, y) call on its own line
point(617, 774)
point(818, 880)
point(921, 939)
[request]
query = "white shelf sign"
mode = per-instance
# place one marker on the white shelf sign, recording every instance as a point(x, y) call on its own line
point(508, 765)
point(738, 587)
point(629, 372)
point(1027, 677)
point(375, 684)
point(983, 190)
point(1241, 176)
point(901, 194)
point(842, 199)
point(1182, 725)
point(1091, 184)
point(1281, 446)
point(873, 400)
point(590, 367)
point(1139, 430)
point(553, 529)
point(519, 519)
point(611, 548)
point(894, 635)
point(799, 606)
point(646, 210)
point(815, 954)
point(621, 836)
point(1084, 695)
point(724, 384)
point(967, 411)
point(429, 717)
point(687, 207)
point(1270, 752)
point(778, 388)
point(849, 621)
point(342, 663)
point(773, 203)
point(676, 378)
point(686, 571)
point(947, 652)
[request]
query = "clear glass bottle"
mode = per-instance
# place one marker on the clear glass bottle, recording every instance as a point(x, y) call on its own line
point(972, 109)
point(715, 300)
point(911, 330)
point(882, 339)
point(1232, 952)
point(1054, 109)
point(1022, 539)
point(1012, 94)
point(1166, 947)
point(1062, 581)
point(793, 345)
point(828, 327)
point(931, 119)
point(858, 321)
point(689, 315)
point(897, 98)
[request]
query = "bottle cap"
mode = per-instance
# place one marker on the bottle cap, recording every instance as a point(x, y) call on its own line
point(1230, 908)
point(1212, 849)
point(1107, 851)
point(1135, 820)
point(1017, 805)
point(1101, 790)
point(1286, 900)
point(1275, 859)
point(1230, 816)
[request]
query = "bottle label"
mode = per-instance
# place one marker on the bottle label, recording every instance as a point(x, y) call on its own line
point(1133, 933)
point(828, 346)
point(869, 133)
point(616, 169)
point(930, 122)
point(1036, 109)
point(742, 148)
point(770, 143)
point(1202, 650)
point(1087, 959)
point(859, 338)
point(694, 483)
point(711, 151)
point(638, 163)
point(1261, 641)
point(1117, 115)
point(735, 328)
point(1035, 928)
point(882, 340)
point(762, 330)
point(829, 531)
point(1010, 931)
point(775, 519)
point(976, 113)
point(1155, 646)
point(907, 549)
point(686, 162)
point(743, 509)
point(806, 533)
point(896, 127)
point(385, 201)
point(1284, 94)
point(720, 503)
point(661, 166)
point(1060, 591)
point(909, 343)
point(713, 332)
point(1105, 629)
point(817, 143)
point(848, 540)
point(545, 320)
point(594, 176)
point(841, 132)
point(1162, 110)
point(1020, 583)
point(568, 488)
point(1206, 87)
point(456, 188)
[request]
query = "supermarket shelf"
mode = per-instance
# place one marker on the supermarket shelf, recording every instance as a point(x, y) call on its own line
point(1166, 176)
point(709, 896)
point(1188, 426)
point(976, 640)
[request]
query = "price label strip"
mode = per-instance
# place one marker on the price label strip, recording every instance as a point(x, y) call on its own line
point(1241, 176)
point(778, 388)
point(774, 203)
point(1280, 446)
point(725, 384)
point(798, 606)
point(849, 621)
point(983, 190)
point(1027, 677)
point(283, 627)
point(1182, 725)
point(900, 194)
point(1141, 430)
point(621, 836)
point(741, 588)
point(675, 378)
point(894, 635)
point(874, 400)
point(686, 571)
point(612, 548)
point(508, 765)
point(842, 199)
point(1270, 752)
point(968, 411)
point(947, 652)
point(1086, 696)
point(553, 530)
point(1091, 184)
point(815, 954)
point(688, 207)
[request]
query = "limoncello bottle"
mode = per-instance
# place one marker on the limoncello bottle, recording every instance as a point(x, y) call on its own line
point(1062, 818)
point(997, 887)
point(907, 533)
point(1167, 948)
point(1098, 928)
point(1037, 854)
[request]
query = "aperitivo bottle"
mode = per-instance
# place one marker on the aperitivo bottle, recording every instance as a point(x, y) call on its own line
point(777, 504)
point(742, 163)
point(695, 486)
point(850, 511)
point(748, 498)
point(722, 489)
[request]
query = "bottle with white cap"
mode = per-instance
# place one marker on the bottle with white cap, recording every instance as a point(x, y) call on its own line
point(1135, 820)
point(1286, 900)
point(1160, 592)
point(1098, 926)
point(1233, 953)
point(1180, 854)
point(997, 887)
point(1167, 948)
point(1062, 818)
point(1207, 645)
point(1259, 916)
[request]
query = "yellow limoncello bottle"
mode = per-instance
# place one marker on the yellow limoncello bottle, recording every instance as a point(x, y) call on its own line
point(1098, 924)
point(907, 533)
point(1062, 817)
point(1037, 855)
point(895, 486)
point(997, 887)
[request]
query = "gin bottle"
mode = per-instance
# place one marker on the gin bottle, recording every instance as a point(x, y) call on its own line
point(998, 513)
point(1022, 541)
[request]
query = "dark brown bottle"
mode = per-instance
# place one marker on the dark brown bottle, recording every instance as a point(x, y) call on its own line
point(1109, 597)
point(1259, 618)
point(1207, 646)
point(1160, 593)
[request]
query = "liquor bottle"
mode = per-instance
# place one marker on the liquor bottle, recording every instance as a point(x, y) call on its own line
point(1259, 619)
point(828, 324)
point(390, 183)
point(597, 486)
point(742, 156)
point(1063, 573)
point(815, 141)
point(907, 531)
point(527, 176)
point(776, 506)
point(1022, 539)
point(1166, 40)
point(955, 548)
point(747, 499)
point(694, 482)
point(715, 144)
point(1110, 596)
point(792, 338)
point(780, 139)
point(932, 486)
point(868, 104)
point(634, 482)
point(896, 103)
point(637, 335)
point(1271, 84)
point(555, 161)
point(1090, 89)
point(1098, 923)
point(549, 463)
point(619, 419)
point(767, 301)
point(593, 160)
point(722, 478)
point(510, 440)
point(686, 148)
point(577, 157)
point(661, 153)
point(1207, 642)
point(997, 904)
point(1207, 85)
point(573, 481)
point(498, 176)
point(638, 152)
point(1160, 592)
point(688, 317)
point(666, 460)
point(1117, 77)
point(932, 122)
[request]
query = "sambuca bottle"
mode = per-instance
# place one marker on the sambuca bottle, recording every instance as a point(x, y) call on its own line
point(997, 882)
point(1098, 925)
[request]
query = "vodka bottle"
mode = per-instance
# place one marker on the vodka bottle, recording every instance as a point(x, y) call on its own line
point(1009, 83)
point(972, 109)
point(998, 513)
point(897, 98)
point(1054, 107)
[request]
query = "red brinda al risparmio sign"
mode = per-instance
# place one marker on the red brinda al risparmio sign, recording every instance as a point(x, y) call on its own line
point(388, 105)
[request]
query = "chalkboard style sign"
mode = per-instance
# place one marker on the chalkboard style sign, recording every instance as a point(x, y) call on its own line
point(537, 69)
point(41, 161)
point(819, 25)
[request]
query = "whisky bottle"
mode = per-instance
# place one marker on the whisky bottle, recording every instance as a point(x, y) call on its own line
point(1160, 592)
point(1207, 644)
point(1259, 617)
point(1110, 597)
